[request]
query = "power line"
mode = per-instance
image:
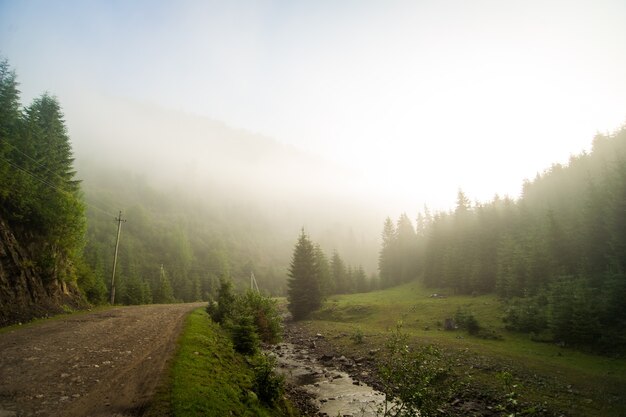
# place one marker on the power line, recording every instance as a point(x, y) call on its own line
point(40, 164)
point(48, 184)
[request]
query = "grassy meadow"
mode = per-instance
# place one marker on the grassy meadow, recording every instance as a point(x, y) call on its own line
point(545, 375)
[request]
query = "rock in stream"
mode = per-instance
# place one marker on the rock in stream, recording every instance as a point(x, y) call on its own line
point(335, 393)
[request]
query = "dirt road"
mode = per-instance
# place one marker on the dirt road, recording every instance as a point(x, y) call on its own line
point(105, 363)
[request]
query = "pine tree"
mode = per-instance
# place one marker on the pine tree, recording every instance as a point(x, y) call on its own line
point(9, 107)
point(360, 280)
point(387, 259)
point(164, 293)
point(14, 182)
point(338, 273)
point(323, 268)
point(406, 250)
point(303, 292)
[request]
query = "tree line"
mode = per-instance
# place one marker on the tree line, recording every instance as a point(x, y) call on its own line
point(556, 255)
point(312, 277)
point(40, 196)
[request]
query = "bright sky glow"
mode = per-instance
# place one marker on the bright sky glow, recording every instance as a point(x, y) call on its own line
point(419, 97)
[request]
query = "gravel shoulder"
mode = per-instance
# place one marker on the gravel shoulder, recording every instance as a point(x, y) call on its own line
point(105, 363)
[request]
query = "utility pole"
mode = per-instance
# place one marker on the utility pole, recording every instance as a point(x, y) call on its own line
point(253, 284)
point(117, 244)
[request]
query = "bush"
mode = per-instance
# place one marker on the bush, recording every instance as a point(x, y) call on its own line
point(264, 314)
point(414, 380)
point(268, 385)
point(244, 335)
point(526, 315)
point(225, 303)
point(357, 337)
point(250, 318)
point(466, 320)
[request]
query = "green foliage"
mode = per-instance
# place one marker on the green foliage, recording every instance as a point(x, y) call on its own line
point(250, 317)
point(545, 368)
point(466, 320)
point(225, 306)
point(558, 252)
point(39, 196)
point(327, 286)
point(93, 288)
point(400, 258)
point(527, 315)
point(340, 277)
point(304, 293)
point(264, 313)
point(268, 385)
point(357, 336)
point(164, 293)
point(573, 316)
point(197, 241)
point(414, 379)
point(137, 291)
point(208, 378)
point(253, 319)
point(244, 334)
point(511, 402)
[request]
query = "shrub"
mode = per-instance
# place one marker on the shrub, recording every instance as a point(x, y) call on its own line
point(225, 303)
point(244, 335)
point(466, 320)
point(414, 380)
point(264, 314)
point(357, 337)
point(268, 385)
point(526, 315)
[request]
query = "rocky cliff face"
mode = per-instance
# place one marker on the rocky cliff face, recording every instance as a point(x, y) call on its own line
point(24, 295)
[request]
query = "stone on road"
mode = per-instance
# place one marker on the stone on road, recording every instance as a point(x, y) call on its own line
point(105, 363)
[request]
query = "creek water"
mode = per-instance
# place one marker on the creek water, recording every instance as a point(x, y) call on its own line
point(335, 393)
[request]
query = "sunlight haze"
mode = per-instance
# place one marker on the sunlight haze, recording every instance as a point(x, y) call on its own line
point(416, 99)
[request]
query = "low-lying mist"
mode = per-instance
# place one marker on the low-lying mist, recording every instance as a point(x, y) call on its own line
point(201, 160)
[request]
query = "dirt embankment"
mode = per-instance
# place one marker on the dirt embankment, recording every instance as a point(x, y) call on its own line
point(105, 363)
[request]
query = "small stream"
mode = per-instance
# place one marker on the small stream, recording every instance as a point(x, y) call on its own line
point(335, 392)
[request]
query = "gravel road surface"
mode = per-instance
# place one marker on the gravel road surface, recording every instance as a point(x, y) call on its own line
point(105, 363)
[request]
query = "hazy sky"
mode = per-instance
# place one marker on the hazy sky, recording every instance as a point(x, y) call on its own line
point(420, 97)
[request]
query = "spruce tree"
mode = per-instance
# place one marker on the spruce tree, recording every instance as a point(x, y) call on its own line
point(303, 292)
point(326, 284)
point(338, 273)
point(406, 250)
point(387, 259)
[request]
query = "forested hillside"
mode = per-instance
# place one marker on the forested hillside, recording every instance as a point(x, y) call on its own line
point(194, 243)
point(205, 201)
point(557, 254)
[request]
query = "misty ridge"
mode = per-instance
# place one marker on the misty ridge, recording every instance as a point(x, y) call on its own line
point(247, 177)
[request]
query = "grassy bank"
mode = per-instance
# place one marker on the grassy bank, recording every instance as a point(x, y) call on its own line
point(208, 378)
point(579, 384)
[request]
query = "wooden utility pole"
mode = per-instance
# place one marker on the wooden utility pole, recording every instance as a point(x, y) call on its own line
point(253, 284)
point(117, 244)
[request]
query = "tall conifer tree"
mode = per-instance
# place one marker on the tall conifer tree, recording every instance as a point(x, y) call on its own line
point(303, 292)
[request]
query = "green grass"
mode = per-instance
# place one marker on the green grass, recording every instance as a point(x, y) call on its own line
point(207, 377)
point(578, 383)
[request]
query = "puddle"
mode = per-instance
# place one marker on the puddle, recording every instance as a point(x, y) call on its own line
point(335, 392)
